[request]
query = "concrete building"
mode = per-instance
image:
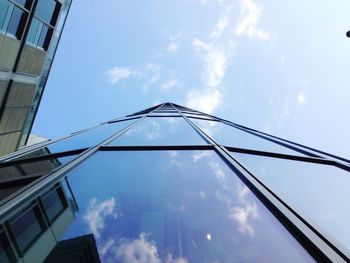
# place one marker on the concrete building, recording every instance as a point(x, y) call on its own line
point(171, 184)
point(29, 34)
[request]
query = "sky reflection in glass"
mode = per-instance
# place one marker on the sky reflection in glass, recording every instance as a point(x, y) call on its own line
point(320, 193)
point(174, 206)
point(229, 136)
point(160, 131)
point(83, 140)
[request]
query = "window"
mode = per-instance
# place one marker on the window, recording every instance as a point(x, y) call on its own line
point(318, 192)
point(187, 206)
point(26, 3)
point(27, 227)
point(81, 140)
point(54, 203)
point(48, 11)
point(12, 18)
point(6, 253)
point(160, 131)
point(5, 14)
point(227, 135)
point(39, 34)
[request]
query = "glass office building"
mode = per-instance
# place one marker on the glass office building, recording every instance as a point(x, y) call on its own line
point(29, 34)
point(171, 184)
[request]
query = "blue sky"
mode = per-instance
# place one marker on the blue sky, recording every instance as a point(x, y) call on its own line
point(277, 66)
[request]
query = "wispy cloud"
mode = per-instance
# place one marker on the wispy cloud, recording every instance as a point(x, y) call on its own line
point(117, 74)
point(141, 251)
point(97, 212)
point(151, 75)
point(221, 25)
point(301, 98)
point(250, 17)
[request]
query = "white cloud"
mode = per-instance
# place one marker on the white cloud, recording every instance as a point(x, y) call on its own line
point(169, 84)
point(97, 212)
point(206, 100)
point(119, 73)
point(243, 215)
point(221, 25)
point(102, 250)
point(301, 98)
point(251, 14)
point(142, 251)
point(200, 45)
point(198, 155)
point(172, 48)
point(138, 251)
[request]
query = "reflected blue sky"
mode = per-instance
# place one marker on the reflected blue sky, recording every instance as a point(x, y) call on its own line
point(230, 136)
point(320, 193)
point(160, 131)
point(174, 206)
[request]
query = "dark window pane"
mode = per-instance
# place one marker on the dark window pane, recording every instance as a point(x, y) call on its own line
point(320, 193)
point(44, 36)
point(32, 168)
point(27, 227)
point(53, 204)
point(17, 22)
point(231, 136)
point(160, 131)
point(26, 3)
point(6, 254)
point(174, 206)
point(34, 31)
point(47, 11)
point(83, 140)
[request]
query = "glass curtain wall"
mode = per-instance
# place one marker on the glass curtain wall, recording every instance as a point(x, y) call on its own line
point(171, 184)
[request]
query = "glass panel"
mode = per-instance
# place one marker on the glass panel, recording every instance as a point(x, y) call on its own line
point(16, 25)
point(160, 131)
point(45, 10)
point(34, 31)
point(53, 204)
point(27, 227)
point(320, 193)
point(4, 10)
point(174, 206)
point(32, 168)
point(164, 113)
point(83, 140)
point(6, 255)
point(26, 3)
point(230, 136)
point(43, 36)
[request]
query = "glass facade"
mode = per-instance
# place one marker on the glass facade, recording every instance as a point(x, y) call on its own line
point(174, 185)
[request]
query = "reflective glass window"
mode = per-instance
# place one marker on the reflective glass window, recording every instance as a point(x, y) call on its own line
point(82, 140)
point(33, 168)
point(54, 203)
point(6, 254)
point(164, 113)
point(231, 136)
point(34, 31)
point(27, 227)
point(319, 193)
point(174, 206)
point(47, 11)
point(26, 3)
point(44, 37)
point(160, 131)
point(5, 12)
point(17, 22)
